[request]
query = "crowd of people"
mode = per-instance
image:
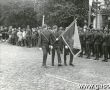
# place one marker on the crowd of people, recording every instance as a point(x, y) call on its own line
point(94, 43)
point(20, 36)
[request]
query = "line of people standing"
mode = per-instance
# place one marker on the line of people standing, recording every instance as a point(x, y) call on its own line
point(50, 41)
point(95, 43)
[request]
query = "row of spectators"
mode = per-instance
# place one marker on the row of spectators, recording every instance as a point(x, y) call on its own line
point(20, 36)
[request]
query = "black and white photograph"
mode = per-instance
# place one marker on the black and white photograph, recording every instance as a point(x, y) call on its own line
point(54, 44)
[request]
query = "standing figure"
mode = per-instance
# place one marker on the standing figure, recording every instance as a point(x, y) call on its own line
point(43, 42)
point(13, 36)
point(20, 37)
point(24, 37)
point(34, 37)
point(105, 46)
point(97, 43)
point(88, 44)
point(67, 52)
point(109, 45)
point(82, 40)
point(56, 44)
point(28, 36)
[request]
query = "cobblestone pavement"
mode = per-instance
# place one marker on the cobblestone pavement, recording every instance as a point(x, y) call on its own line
point(20, 69)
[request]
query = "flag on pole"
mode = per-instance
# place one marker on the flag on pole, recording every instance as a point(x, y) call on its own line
point(90, 2)
point(71, 38)
point(43, 20)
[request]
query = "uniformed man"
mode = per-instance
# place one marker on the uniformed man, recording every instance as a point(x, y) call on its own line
point(100, 47)
point(43, 42)
point(61, 29)
point(82, 40)
point(109, 45)
point(92, 42)
point(88, 43)
point(68, 52)
point(56, 44)
point(97, 43)
point(105, 46)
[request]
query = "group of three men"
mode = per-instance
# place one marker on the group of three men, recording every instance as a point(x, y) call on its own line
point(51, 40)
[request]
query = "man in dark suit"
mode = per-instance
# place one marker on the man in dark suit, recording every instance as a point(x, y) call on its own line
point(56, 44)
point(43, 42)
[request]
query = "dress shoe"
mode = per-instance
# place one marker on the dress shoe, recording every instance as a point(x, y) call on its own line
point(65, 64)
point(59, 65)
point(71, 64)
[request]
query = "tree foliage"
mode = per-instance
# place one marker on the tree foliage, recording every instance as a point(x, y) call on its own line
point(59, 12)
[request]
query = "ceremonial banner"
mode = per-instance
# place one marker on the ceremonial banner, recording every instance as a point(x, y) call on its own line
point(90, 2)
point(71, 38)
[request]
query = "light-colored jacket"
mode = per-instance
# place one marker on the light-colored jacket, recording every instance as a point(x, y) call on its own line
point(24, 34)
point(20, 36)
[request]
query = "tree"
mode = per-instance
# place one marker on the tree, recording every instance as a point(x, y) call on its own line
point(16, 14)
point(59, 12)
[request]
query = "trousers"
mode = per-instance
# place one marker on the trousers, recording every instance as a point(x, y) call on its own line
point(57, 49)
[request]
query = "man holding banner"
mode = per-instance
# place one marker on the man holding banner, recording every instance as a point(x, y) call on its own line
point(67, 52)
point(72, 41)
point(54, 41)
